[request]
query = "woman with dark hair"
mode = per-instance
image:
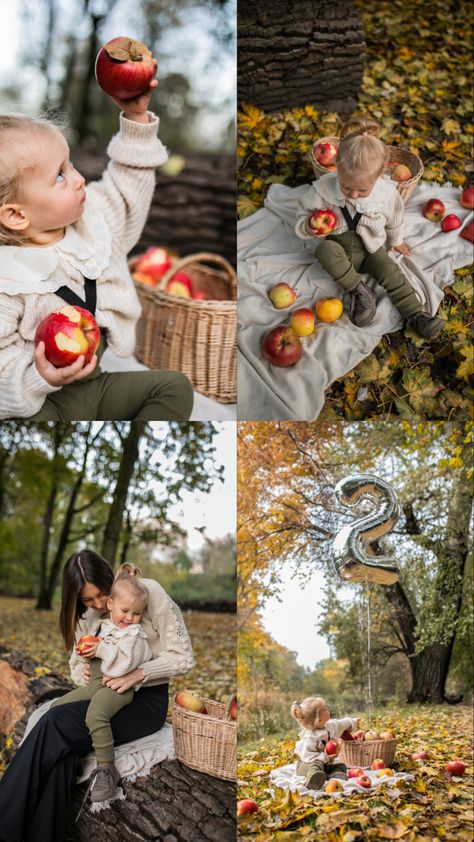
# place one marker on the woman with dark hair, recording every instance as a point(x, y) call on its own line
point(35, 789)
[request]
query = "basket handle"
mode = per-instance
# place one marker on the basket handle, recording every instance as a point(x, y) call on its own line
point(196, 258)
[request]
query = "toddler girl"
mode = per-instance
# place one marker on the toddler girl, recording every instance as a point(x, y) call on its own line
point(122, 648)
point(369, 211)
point(62, 242)
point(317, 729)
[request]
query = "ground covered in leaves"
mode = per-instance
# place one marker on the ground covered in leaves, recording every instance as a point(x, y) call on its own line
point(417, 85)
point(431, 808)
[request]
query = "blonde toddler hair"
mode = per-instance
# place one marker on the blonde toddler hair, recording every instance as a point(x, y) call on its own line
point(308, 711)
point(128, 577)
point(14, 160)
point(361, 148)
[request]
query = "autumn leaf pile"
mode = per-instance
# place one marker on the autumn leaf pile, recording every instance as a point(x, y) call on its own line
point(434, 807)
point(417, 86)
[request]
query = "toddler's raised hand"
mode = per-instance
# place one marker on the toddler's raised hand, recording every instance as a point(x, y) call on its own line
point(62, 376)
point(136, 108)
point(402, 248)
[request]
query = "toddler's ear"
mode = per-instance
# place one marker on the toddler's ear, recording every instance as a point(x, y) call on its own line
point(296, 711)
point(13, 217)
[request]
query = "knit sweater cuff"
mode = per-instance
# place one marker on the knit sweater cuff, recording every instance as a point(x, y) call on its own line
point(394, 236)
point(137, 144)
point(36, 388)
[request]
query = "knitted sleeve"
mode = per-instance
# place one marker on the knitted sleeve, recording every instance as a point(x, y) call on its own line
point(22, 389)
point(122, 655)
point(394, 227)
point(175, 651)
point(125, 191)
point(336, 727)
point(76, 662)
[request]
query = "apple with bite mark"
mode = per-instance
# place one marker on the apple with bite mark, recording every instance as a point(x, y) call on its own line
point(331, 747)
point(364, 781)
point(67, 334)
point(85, 641)
point(247, 805)
point(450, 223)
point(466, 198)
point(124, 68)
point(355, 772)
point(420, 755)
point(455, 767)
point(155, 262)
point(302, 321)
point(401, 173)
point(325, 154)
point(378, 763)
point(281, 346)
point(190, 702)
point(334, 785)
point(282, 295)
point(321, 222)
point(434, 210)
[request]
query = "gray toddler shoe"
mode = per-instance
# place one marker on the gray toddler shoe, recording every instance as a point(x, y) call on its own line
point(341, 775)
point(362, 305)
point(105, 782)
point(315, 781)
point(425, 325)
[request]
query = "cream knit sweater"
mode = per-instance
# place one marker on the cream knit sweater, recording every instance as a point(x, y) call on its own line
point(96, 247)
point(382, 211)
point(170, 648)
point(121, 650)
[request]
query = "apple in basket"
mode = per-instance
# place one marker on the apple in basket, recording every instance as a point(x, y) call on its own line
point(68, 333)
point(355, 772)
point(180, 285)
point(358, 735)
point(378, 763)
point(199, 295)
point(331, 747)
point(144, 278)
point(247, 805)
point(466, 198)
point(401, 173)
point(387, 735)
point(371, 734)
point(434, 210)
point(85, 641)
point(322, 221)
point(281, 346)
point(190, 702)
point(334, 785)
point(364, 781)
point(325, 154)
point(124, 68)
point(155, 261)
point(346, 735)
point(233, 709)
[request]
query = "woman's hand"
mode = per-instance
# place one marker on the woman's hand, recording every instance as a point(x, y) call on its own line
point(62, 376)
point(402, 248)
point(90, 651)
point(125, 681)
point(136, 108)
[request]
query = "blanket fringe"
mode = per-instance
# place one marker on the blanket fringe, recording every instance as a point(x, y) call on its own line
point(97, 806)
point(142, 773)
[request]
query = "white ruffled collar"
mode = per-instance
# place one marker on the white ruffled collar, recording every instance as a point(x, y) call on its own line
point(108, 628)
point(328, 187)
point(86, 246)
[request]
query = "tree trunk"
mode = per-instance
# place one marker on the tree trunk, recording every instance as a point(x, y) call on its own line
point(49, 513)
point(429, 672)
point(129, 458)
point(299, 52)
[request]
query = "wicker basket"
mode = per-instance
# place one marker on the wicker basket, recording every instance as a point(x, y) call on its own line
point(318, 168)
point(363, 752)
point(415, 165)
point(196, 337)
point(206, 742)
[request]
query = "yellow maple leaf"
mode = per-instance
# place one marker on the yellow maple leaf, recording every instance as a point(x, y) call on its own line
point(450, 126)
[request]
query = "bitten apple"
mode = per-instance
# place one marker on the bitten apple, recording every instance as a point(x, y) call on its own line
point(466, 198)
point(282, 295)
point(321, 222)
point(302, 321)
point(364, 781)
point(85, 641)
point(124, 67)
point(334, 785)
point(331, 747)
point(281, 346)
point(455, 767)
point(401, 173)
point(189, 701)
point(67, 334)
point(328, 309)
point(325, 154)
point(154, 261)
point(247, 805)
point(450, 223)
point(355, 772)
point(434, 210)
point(378, 763)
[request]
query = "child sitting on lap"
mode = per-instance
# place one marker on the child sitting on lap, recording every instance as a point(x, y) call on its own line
point(369, 211)
point(317, 729)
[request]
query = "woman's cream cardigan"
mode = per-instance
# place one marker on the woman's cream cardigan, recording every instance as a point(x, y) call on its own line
point(168, 639)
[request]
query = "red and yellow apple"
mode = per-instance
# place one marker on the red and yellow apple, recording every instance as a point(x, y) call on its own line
point(466, 198)
point(331, 747)
point(346, 735)
point(455, 767)
point(334, 785)
point(281, 346)
point(420, 755)
point(450, 223)
point(124, 68)
point(246, 805)
point(434, 210)
point(387, 735)
point(190, 702)
point(378, 763)
point(322, 221)
point(364, 781)
point(155, 261)
point(328, 309)
point(355, 772)
point(325, 154)
point(371, 734)
point(385, 773)
point(233, 709)
point(358, 735)
point(85, 641)
point(180, 284)
point(282, 295)
point(401, 173)
point(302, 321)
point(144, 278)
point(68, 333)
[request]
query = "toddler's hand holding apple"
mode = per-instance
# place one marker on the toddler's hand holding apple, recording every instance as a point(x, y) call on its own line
point(124, 70)
point(62, 376)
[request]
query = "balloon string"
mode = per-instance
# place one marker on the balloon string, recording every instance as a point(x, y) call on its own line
point(369, 681)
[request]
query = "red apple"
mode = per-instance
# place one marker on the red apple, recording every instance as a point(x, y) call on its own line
point(85, 641)
point(281, 346)
point(467, 197)
point(144, 278)
point(67, 334)
point(189, 701)
point(199, 295)
point(378, 763)
point(302, 321)
point(233, 709)
point(322, 221)
point(325, 154)
point(334, 785)
point(124, 68)
point(450, 222)
point(358, 735)
point(364, 781)
point(346, 735)
point(331, 747)
point(155, 262)
point(247, 805)
point(401, 173)
point(177, 287)
point(455, 767)
point(420, 755)
point(355, 772)
point(434, 210)
point(282, 295)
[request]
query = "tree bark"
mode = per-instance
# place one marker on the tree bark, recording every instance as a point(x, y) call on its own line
point(49, 513)
point(299, 52)
point(129, 458)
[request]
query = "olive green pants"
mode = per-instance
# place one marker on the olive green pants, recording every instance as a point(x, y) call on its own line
point(121, 396)
point(343, 256)
point(104, 704)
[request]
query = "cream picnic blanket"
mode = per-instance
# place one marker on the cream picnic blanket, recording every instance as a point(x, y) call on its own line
point(285, 777)
point(269, 252)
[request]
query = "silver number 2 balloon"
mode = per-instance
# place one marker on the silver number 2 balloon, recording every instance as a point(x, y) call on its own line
point(354, 553)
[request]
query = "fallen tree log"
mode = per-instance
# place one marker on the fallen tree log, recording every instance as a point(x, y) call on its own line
point(171, 804)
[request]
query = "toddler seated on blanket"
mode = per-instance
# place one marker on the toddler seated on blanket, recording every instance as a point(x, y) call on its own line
point(317, 728)
point(121, 648)
point(369, 212)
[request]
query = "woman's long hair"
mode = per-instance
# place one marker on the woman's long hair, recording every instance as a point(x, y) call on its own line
point(81, 568)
